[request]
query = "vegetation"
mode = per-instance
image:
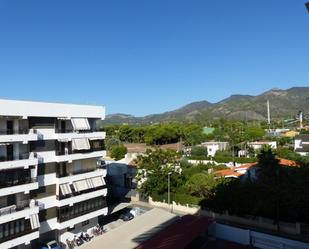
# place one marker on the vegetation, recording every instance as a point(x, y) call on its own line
point(280, 193)
point(118, 152)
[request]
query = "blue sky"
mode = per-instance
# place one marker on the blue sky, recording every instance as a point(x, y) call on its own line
point(150, 56)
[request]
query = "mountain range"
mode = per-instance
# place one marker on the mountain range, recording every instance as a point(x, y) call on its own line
point(283, 104)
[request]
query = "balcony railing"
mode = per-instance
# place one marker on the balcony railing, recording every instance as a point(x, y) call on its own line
point(81, 208)
point(71, 130)
point(15, 229)
point(22, 156)
point(83, 171)
point(74, 193)
point(14, 131)
point(19, 181)
point(15, 208)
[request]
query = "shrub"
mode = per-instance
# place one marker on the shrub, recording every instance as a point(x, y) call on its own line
point(119, 152)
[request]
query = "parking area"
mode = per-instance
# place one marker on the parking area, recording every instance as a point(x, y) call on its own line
point(130, 234)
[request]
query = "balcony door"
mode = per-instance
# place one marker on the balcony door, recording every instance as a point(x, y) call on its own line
point(9, 127)
point(9, 152)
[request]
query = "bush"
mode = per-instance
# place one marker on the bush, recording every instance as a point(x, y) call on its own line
point(119, 152)
point(199, 151)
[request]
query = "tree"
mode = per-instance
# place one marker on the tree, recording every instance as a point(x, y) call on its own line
point(193, 135)
point(118, 152)
point(157, 164)
point(199, 152)
point(201, 185)
point(112, 141)
point(254, 133)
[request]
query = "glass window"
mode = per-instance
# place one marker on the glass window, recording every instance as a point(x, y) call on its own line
point(1, 231)
point(12, 228)
point(22, 225)
point(17, 226)
point(6, 229)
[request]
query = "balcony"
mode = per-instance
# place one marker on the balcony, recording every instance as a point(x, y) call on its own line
point(17, 233)
point(14, 212)
point(22, 161)
point(50, 133)
point(68, 135)
point(83, 196)
point(21, 135)
point(80, 175)
point(51, 156)
point(79, 209)
point(93, 153)
point(15, 186)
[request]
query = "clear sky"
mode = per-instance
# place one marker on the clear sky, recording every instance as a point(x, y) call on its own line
point(149, 56)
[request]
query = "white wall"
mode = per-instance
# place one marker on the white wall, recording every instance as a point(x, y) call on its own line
point(43, 109)
point(256, 239)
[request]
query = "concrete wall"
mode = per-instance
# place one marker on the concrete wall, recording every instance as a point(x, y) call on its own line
point(241, 236)
point(256, 239)
point(174, 207)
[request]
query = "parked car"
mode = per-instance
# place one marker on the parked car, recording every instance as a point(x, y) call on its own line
point(126, 216)
point(51, 245)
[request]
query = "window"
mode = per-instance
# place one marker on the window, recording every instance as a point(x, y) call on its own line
point(85, 223)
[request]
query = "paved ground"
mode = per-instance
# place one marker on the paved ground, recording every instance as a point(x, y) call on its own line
point(130, 234)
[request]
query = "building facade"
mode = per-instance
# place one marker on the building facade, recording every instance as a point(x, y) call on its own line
point(51, 183)
point(301, 144)
point(213, 147)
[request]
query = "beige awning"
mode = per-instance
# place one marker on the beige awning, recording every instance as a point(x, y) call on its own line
point(98, 181)
point(81, 185)
point(80, 124)
point(65, 189)
point(34, 221)
point(80, 144)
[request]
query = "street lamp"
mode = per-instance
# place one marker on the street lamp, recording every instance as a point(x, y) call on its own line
point(307, 5)
point(169, 188)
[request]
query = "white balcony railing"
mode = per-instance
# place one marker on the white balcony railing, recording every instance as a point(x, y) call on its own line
point(14, 212)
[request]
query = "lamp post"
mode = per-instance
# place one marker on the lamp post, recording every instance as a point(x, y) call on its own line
point(169, 188)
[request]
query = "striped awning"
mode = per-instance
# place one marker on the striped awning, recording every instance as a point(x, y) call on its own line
point(65, 189)
point(34, 221)
point(81, 185)
point(80, 144)
point(98, 181)
point(80, 124)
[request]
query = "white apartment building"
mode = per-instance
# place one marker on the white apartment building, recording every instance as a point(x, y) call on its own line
point(50, 181)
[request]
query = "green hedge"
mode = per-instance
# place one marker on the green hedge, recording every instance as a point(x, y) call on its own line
point(180, 198)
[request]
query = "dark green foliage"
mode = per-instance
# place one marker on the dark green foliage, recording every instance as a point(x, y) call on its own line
point(112, 141)
point(199, 151)
point(280, 193)
point(118, 152)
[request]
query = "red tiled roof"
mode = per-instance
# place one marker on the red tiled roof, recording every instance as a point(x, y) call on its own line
point(234, 172)
point(228, 172)
point(179, 234)
point(289, 163)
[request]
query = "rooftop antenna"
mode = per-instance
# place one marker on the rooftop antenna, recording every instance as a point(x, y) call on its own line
point(268, 115)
